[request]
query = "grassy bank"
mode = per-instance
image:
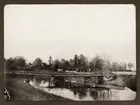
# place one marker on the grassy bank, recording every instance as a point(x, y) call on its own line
point(124, 81)
point(20, 90)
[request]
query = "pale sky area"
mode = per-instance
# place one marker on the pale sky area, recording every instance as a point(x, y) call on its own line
point(65, 30)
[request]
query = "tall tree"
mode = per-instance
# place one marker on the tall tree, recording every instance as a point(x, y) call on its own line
point(99, 63)
point(50, 62)
point(37, 63)
point(71, 64)
point(92, 64)
point(76, 63)
point(56, 64)
point(83, 63)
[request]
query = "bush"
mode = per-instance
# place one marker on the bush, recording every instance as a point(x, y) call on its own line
point(131, 83)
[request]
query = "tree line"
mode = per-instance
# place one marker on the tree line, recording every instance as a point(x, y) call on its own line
point(77, 63)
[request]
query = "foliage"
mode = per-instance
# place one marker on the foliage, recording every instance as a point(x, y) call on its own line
point(37, 64)
point(79, 63)
point(130, 65)
point(56, 64)
point(115, 66)
point(83, 63)
point(17, 63)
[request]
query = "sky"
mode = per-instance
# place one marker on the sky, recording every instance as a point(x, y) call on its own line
point(65, 30)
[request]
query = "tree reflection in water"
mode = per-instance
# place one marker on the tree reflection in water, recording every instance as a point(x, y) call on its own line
point(79, 90)
point(95, 93)
point(100, 93)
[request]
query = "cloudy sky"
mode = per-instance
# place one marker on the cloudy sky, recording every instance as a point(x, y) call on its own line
point(64, 30)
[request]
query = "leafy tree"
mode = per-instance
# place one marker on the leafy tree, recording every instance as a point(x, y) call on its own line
point(50, 62)
point(67, 64)
point(9, 64)
point(130, 65)
point(29, 66)
point(19, 62)
point(83, 63)
point(71, 64)
point(37, 64)
point(123, 66)
point(45, 66)
point(106, 67)
point(99, 63)
point(16, 63)
point(56, 65)
point(115, 66)
point(76, 63)
point(92, 64)
point(64, 64)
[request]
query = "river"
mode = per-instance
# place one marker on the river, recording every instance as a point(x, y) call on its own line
point(80, 93)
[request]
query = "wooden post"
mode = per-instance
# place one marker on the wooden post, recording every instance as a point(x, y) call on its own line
point(49, 82)
point(84, 81)
point(61, 81)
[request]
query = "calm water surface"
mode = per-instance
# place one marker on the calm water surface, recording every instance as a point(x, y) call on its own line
point(81, 94)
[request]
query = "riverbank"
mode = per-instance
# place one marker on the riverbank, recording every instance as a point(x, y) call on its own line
point(124, 81)
point(20, 90)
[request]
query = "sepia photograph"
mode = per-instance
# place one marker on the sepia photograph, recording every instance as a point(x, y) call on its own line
point(69, 52)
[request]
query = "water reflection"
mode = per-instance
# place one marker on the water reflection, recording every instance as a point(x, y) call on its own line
point(79, 91)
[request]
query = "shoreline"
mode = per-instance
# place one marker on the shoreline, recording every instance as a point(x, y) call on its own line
point(20, 90)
